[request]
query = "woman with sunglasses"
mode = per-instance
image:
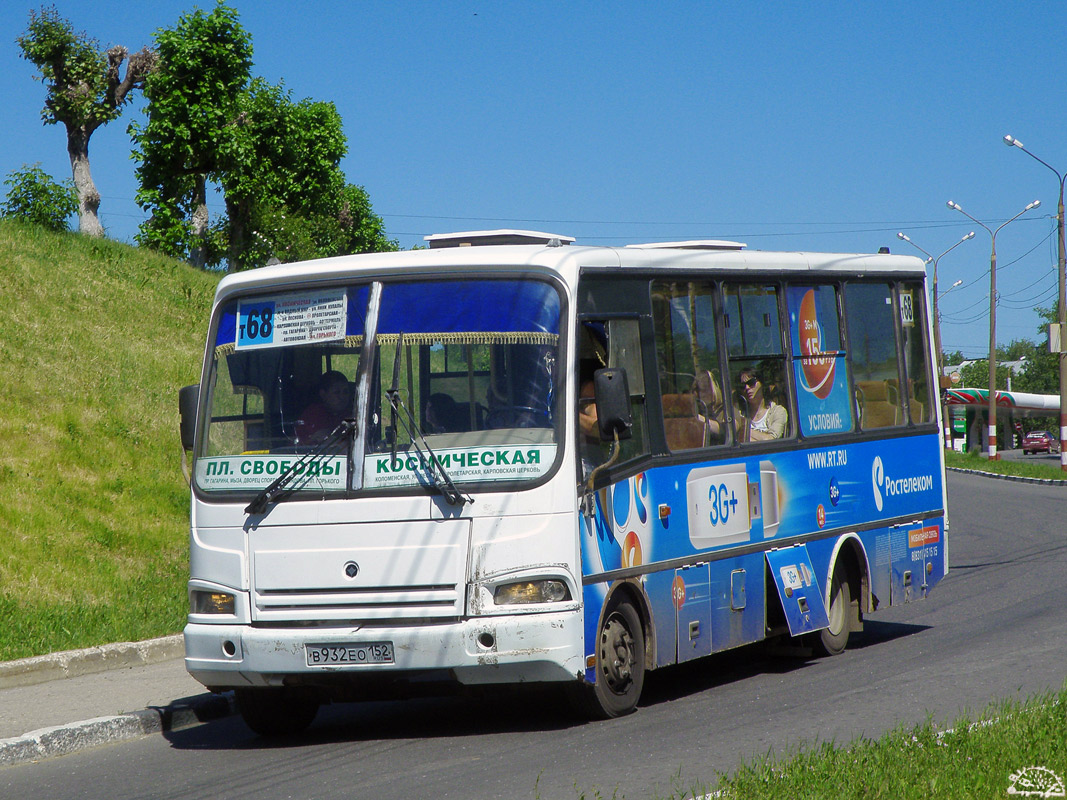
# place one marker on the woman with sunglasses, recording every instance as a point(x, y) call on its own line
point(762, 419)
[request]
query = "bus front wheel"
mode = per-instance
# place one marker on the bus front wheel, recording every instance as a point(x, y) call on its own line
point(276, 712)
point(620, 662)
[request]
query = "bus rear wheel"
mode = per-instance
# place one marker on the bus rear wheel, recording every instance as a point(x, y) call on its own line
point(275, 712)
point(832, 640)
point(620, 662)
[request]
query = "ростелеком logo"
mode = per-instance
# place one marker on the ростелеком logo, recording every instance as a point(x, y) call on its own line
point(887, 486)
point(877, 480)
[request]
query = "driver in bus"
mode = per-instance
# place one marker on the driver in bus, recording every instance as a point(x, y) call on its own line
point(322, 416)
point(590, 446)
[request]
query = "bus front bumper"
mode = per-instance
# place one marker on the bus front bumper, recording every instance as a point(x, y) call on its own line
point(524, 648)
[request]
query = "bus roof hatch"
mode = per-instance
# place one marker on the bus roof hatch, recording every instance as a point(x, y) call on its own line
point(694, 244)
point(501, 236)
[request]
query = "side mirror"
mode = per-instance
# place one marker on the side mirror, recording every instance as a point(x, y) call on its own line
point(613, 403)
point(187, 399)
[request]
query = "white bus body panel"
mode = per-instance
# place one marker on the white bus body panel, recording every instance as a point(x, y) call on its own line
point(424, 584)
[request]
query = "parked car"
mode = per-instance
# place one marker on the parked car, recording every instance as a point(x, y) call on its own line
point(1040, 442)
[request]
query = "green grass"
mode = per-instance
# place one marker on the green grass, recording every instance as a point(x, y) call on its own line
point(1046, 469)
point(96, 337)
point(974, 757)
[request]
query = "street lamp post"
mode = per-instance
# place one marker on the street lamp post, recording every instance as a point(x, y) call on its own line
point(937, 323)
point(950, 443)
point(1062, 318)
point(992, 429)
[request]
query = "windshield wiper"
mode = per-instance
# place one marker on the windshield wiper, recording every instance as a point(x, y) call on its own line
point(284, 485)
point(394, 391)
point(441, 479)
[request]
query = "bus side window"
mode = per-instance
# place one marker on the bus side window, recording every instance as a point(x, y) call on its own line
point(920, 391)
point(616, 343)
point(873, 352)
point(761, 405)
point(820, 367)
point(687, 351)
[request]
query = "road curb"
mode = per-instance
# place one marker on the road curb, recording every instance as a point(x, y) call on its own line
point(71, 663)
point(65, 739)
point(1016, 478)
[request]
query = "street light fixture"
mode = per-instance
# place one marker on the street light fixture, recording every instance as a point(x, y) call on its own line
point(937, 322)
point(992, 429)
point(1062, 318)
point(953, 286)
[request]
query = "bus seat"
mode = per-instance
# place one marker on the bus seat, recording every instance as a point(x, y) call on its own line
point(684, 429)
point(877, 409)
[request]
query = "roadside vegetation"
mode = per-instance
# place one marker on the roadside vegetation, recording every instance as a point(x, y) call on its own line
point(975, 757)
point(1032, 467)
point(1016, 745)
point(96, 337)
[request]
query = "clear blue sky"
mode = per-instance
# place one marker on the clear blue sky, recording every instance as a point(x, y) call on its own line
point(789, 126)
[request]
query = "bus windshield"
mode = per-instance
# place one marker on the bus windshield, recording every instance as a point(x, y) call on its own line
point(473, 367)
point(462, 371)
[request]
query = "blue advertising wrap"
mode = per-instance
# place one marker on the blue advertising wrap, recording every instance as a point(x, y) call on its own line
point(887, 494)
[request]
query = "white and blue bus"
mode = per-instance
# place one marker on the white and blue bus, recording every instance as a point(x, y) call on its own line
point(507, 458)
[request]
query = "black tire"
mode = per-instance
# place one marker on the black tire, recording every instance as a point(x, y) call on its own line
point(620, 662)
point(831, 641)
point(276, 712)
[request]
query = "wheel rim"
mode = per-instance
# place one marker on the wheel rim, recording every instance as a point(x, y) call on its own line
point(617, 654)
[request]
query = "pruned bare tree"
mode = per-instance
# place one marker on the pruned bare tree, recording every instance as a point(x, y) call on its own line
point(86, 89)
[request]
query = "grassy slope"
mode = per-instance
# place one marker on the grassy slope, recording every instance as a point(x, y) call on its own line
point(95, 339)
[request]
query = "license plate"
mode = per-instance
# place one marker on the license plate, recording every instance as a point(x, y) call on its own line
point(321, 655)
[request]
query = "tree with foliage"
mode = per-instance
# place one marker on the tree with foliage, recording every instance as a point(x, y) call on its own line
point(205, 63)
point(953, 358)
point(85, 90)
point(1017, 350)
point(34, 196)
point(282, 159)
point(286, 195)
point(1042, 372)
point(276, 161)
point(976, 375)
point(347, 226)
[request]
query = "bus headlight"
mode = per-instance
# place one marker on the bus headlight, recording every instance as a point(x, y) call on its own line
point(201, 602)
point(540, 591)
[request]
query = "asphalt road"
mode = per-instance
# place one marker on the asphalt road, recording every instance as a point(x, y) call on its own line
point(1048, 459)
point(995, 629)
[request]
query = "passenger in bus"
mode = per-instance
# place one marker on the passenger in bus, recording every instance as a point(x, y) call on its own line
point(445, 415)
point(761, 418)
point(711, 402)
point(334, 404)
